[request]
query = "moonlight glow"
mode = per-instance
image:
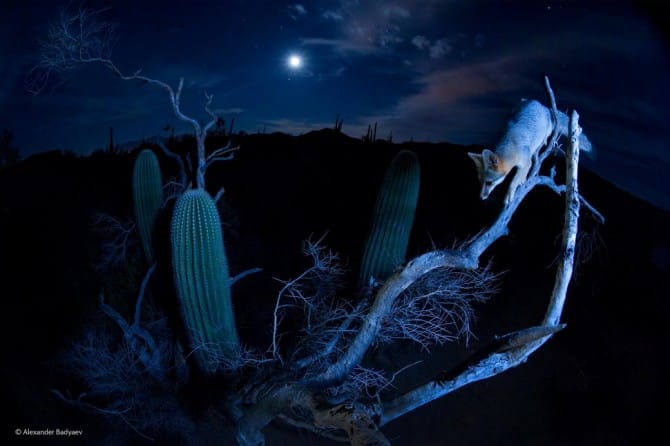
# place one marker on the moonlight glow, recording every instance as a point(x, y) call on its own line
point(294, 61)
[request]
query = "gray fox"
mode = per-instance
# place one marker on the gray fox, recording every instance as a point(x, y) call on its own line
point(527, 132)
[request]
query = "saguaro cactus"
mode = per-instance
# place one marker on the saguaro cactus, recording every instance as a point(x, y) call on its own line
point(147, 198)
point(392, 221)
point(201, 280)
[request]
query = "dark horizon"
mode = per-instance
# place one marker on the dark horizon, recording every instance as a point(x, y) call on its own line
point(134, 145)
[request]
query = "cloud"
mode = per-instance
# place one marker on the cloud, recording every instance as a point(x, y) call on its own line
point(420, 42)
point(440, 48)
point(446, 105)
point(390, 36)
point(228, 111)
point(370, 26)
point(397, 11)
point(436, 50)
point(294, 126)
point(342, 46)
point(335, 16)
point(203, 80)
point(296, 10)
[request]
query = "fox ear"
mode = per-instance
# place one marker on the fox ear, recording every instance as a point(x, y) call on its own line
point(490, 159)
point(477, 158)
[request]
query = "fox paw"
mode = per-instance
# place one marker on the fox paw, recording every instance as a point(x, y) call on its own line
point(508, 198)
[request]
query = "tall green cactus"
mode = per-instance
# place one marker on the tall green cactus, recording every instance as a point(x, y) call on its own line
point(201, 280)
point(386, 246)
point(147, 198)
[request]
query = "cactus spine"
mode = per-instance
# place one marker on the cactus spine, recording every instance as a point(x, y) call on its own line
point(147, 198)
point(201, 280)
point(393, 216)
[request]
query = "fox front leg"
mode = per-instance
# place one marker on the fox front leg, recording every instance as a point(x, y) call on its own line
point(520, 176)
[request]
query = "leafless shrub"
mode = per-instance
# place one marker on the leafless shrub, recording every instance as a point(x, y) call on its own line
point(313, 293)
point(115, 383)
point(78, 36)
point(438, 307)
point(118, 240)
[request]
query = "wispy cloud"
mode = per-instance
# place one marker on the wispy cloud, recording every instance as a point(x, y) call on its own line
point(342, 46)
point(294, 126)
point(329, 14)
point(421, 42)
point(339, 71)
point(206, 81)
point(370, 26)
point(396, 11)
point(390, 36)
point(440, 48)
point(436, 49)
point(445, 106)
point(228, 111)
point(296, 10)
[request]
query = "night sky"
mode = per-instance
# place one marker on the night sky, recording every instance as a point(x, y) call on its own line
point(431, 70)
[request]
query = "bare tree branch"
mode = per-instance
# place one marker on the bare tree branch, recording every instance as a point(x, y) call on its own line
point(82, 37)
point(325, 266)
point(117, 239)
point(515, 348)
point(244, 274)
point(437, 308)
point(138, 339)
point(177, 158)
point(225, 153)
point(503, 353)
point(80, 403)
point(382, 306)
point(564, 272)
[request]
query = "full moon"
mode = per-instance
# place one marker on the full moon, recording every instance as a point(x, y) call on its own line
point(294, 61)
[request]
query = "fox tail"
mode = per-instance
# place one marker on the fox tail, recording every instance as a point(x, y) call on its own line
point(584, 143)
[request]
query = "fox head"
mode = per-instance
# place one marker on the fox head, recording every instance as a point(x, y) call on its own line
point(491, 171)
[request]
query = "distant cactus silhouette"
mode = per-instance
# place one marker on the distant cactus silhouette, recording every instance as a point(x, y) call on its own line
point(393, 217)
point(201, 280)
point(371, 135)
point(338, 123)
point(147, 198)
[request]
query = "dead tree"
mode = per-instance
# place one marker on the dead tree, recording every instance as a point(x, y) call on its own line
point(361, 420)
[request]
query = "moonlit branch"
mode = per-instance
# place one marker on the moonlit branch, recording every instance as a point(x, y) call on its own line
point(79, 38)
point(515, 348)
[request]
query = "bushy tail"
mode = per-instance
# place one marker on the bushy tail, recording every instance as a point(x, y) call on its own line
point(584, 143)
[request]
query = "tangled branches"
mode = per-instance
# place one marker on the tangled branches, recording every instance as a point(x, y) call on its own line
point(438, 307)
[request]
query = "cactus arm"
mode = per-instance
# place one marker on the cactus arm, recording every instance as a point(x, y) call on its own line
point(393, 217)
point(147, 198)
